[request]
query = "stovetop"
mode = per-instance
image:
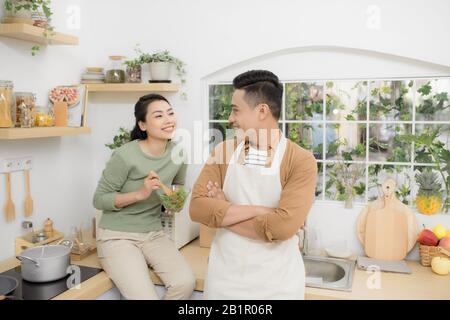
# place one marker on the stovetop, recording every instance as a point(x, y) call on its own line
point(47, 290)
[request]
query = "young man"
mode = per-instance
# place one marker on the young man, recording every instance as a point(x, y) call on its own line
point(257, 190)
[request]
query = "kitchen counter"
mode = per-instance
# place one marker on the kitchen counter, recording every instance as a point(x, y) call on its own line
point(421, 284)
point(196, 256)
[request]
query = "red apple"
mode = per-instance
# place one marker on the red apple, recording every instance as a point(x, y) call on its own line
point(428, 238)
point(445, 243)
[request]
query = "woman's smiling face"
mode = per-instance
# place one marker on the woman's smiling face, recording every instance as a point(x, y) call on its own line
point(160, 122)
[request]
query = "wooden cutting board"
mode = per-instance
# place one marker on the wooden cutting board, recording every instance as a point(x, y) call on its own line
point(387, 228)
point(413, 228)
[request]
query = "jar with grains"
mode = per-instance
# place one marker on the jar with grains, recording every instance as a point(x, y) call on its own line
point(134, 74)
point(29, 98)
point(115, 72)
point(6, 104)
point(26, 116)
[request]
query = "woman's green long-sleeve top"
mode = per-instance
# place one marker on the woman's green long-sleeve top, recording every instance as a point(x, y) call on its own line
point(125, 172)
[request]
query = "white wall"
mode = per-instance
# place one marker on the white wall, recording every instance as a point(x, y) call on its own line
point(209, 36)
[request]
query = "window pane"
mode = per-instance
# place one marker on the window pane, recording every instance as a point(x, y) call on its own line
point(220, 101)
point(346, 141)
point(335, 188)
point(432, 100)
point(346, 100)
point(304, 101)
point(391, 100)
point(442, 140)
point(385, 143)
point(307, 135)
point(378, 174)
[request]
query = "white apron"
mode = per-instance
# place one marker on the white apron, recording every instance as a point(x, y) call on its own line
point(242, 268)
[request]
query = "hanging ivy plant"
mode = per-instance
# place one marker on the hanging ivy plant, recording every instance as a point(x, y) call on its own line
point(120, 139)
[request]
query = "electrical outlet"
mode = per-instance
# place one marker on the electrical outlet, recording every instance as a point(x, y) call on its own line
point(15, 164)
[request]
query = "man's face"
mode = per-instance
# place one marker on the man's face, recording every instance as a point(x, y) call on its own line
point(243, 116)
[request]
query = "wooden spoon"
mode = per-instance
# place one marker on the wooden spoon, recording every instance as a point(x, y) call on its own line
point(10, 210)
point(165, 188)
point(28, 204)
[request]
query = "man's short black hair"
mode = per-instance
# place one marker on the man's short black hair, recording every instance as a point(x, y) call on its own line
point(261, 86)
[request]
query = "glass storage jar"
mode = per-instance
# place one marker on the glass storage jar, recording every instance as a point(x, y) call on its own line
point(26, 116)
point(134, 74)
point(6, 104)
point(116, 70)
point(44, 117)
point(29, 98)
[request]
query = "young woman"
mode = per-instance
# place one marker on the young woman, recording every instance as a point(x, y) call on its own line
point(130, 235)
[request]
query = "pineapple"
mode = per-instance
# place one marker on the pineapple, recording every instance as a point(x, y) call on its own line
point(429, 197)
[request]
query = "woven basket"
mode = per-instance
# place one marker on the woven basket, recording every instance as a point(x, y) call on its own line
point(427, 253)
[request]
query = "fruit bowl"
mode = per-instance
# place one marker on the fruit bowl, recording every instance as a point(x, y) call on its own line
point(433, 243)
point(175, 202)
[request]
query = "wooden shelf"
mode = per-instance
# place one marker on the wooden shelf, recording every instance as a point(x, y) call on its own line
point(40, 132)
point(132, 87)
point(31, 33)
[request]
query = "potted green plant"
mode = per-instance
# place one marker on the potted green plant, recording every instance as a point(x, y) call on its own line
point(36, 12)
point(29, 9)
point(160, 64)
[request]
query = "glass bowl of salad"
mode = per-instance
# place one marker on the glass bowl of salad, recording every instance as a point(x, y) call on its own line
point(174, 202)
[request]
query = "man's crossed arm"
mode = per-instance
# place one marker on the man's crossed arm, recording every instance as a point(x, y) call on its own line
point(238, 218)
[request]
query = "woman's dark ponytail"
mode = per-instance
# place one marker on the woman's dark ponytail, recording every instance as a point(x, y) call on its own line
point(138, 134)
point(140, 113)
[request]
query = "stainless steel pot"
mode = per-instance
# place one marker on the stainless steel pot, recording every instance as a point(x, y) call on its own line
point(45, 263)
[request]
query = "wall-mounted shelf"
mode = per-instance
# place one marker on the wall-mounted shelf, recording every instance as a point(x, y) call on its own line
point(40, 132)
point(132, 87)
point(34, 34)
point(127, 87)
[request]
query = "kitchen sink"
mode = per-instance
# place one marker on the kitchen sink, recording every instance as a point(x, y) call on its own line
point(329, 273)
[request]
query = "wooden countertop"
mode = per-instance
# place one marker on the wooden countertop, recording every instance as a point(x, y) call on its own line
point(421, 284)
